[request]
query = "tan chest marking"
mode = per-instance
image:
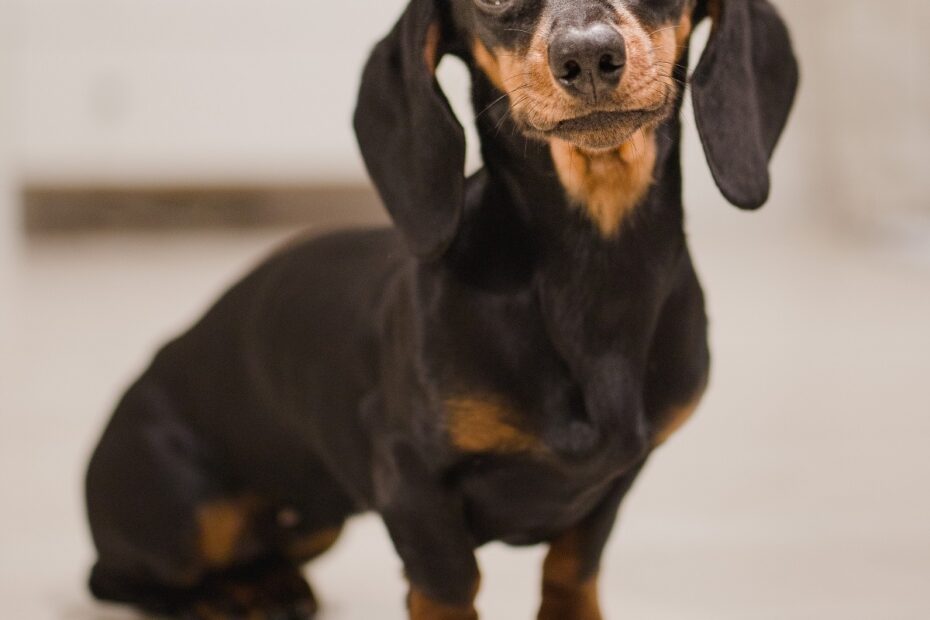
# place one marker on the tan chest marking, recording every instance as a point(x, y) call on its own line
point(480, 424)
point(607, 185)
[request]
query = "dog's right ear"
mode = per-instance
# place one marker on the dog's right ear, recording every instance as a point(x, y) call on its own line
point(412, 144)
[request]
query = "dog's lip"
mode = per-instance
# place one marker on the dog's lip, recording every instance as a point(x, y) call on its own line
point(603, 119)
point(600, 120)
point(601, 129)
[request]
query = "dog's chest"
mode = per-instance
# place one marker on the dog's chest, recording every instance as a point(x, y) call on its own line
point(524, 477)
point(521, 500)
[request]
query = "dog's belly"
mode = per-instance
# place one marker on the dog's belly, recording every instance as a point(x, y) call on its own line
point(525, 502)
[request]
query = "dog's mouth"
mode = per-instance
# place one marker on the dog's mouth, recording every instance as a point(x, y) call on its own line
point(600, 129)
point(599, 121)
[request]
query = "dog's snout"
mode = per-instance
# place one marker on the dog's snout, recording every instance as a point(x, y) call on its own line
point(588, 61)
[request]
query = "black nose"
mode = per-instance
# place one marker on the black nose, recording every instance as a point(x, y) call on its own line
point(588, 61)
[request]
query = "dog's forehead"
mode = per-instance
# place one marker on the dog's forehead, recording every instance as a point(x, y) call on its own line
point(653, 11)
point(658, 11)
point(513, 23)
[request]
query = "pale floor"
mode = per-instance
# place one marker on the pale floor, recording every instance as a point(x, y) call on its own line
point(799, 491)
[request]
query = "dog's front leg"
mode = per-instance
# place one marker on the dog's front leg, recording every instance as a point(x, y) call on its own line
point(569, 589)
point(426, 522)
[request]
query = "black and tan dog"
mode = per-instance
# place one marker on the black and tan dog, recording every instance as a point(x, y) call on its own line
point(499, 366)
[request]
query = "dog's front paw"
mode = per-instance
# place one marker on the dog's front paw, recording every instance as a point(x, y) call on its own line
point(422, 607)
point(578, 602)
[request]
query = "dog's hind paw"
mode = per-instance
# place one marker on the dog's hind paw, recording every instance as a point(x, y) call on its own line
point(260, 592)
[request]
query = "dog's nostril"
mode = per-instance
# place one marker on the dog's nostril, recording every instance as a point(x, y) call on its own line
point(609, 65)
point(572, 71)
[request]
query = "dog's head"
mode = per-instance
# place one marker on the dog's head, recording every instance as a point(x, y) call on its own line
point(587, 72)
point(590, 73)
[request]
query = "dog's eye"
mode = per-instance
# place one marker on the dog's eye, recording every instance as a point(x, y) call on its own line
point(494, 6)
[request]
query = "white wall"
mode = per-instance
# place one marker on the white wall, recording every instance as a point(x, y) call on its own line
point(869, 127)
point(8, 214)
point(191, 90)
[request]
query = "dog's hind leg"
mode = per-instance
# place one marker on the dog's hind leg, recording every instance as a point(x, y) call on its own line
point(144, 481)
point(172, 536)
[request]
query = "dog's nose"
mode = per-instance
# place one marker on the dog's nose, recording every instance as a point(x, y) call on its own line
point(588, 61)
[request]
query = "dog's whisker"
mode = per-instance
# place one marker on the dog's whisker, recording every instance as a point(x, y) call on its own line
point(670, 64)
point(654, 32)
point(516, 75)
point(681, 83)
point(500, 99)
point(505, 117)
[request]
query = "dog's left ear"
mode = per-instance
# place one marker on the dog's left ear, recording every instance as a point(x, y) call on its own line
point(412, 144)
point(742, 90)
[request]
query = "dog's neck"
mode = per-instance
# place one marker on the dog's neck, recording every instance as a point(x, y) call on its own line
point(524, 234)
point(607, 185)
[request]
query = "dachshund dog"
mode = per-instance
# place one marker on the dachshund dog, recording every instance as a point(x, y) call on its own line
point(498, 366)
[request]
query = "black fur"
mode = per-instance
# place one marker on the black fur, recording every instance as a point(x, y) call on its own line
point(319, 383)
point(742, 90)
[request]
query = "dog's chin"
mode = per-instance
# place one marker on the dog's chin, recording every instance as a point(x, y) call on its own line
point(606, 139)
point(599, 131)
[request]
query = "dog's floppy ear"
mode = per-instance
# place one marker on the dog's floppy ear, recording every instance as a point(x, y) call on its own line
point(742, 90)
point(412, 144)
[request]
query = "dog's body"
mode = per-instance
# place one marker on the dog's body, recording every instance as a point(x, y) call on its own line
point(499, 368)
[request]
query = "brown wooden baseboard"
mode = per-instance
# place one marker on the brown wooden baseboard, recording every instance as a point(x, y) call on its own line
point(76, 209)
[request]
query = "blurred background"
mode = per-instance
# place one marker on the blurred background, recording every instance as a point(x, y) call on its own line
point(150, 151)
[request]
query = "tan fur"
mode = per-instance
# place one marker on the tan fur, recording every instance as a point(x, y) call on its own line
point(422, 607)
point(607, 184)
point(222, 527)
point(667, 44)
point(676, 417)
point(566, 592)
point(478, 424)
point(489, 64)
point(525, 79)
point(431, 47)
point(312, 545)
point(682, 34)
